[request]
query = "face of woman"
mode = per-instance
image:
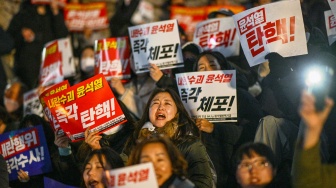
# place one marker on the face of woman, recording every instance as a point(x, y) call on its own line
point(162, 109)
point(157, 154)
point(93, 172)
point(208, 63)
point(254, 172)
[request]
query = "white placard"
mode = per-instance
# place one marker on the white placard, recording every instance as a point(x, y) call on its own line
point(141, 175)
point(274, 27)
point(330, 22)
point(218, 34)
point(210, 94)
point(157, 43)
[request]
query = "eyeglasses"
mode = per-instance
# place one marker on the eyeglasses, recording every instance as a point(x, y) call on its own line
point(258, 164)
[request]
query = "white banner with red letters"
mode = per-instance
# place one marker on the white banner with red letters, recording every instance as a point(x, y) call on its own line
point(112, 56)
point(157, 43)
point(89, 103)
point(218, 34)
point(198, 95)
point(25, 149)
point(31, 103)
point(140, 175)
point(86, 16)
point(274, 27)
point(49, 92)
point(62, 47)
point(332, 4)
point(330, 22)
point(51, 69)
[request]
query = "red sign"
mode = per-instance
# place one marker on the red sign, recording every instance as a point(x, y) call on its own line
point(113, 57)
point(90, 103)
point(89, 15)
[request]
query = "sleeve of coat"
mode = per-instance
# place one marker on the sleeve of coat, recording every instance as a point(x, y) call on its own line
point(309, 172)
point(199, 163)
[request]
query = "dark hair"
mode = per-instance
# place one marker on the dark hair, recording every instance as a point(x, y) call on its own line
point(259, 148)
point(224, 64)
point(179, 164)
point(112, 158)
point(35, 120)
point(186, 126)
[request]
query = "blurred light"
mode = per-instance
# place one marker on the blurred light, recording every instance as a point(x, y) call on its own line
point(314, 77)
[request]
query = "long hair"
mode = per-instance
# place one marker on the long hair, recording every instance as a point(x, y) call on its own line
point(185, 125)
point(112, 158)
point(179, 164)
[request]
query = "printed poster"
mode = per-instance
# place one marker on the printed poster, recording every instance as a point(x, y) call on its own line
point(61, 47)
point(332, 4)
point(140, 175)
point(49, 92)
point(330, 21)
point(25, 149)
point(157, 43)
point(265, 29)
point(199, 97)
point(112, 56)
point(218, 34)
point(89, 103)
point(92, 16)
point(31, 103)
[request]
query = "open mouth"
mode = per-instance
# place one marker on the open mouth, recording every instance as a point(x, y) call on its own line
point(160, 116)
point(93, 183)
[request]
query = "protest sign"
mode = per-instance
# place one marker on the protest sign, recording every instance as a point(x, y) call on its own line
point(49, 92)
point(112, 56)
point(92, 16)
point(218, 34)
point(189, 17)
point(265, 29)
point(330, 21)
point(332, 4)
point(89, 103)
point(51, 69)
point(25, 149)
point(198, 95)
point(31, 103)
point(157, 43)
point(62, 47)
point(141, 175)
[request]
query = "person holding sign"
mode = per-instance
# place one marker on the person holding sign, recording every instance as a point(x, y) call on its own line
point(222, 137)
point(165, 114)
point(169, 164)
point(96, 163)
point(31, 28)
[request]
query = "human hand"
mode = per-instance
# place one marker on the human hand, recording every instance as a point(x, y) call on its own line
point(155, 72)
point(54, 6)
point(204, 125)
point(118, 86)
point(314, 119)
point(23, 176)
point(61, 141)
point(92, 139)
point(28, 34)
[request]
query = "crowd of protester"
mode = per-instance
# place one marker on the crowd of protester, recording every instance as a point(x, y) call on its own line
point(279, 140)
